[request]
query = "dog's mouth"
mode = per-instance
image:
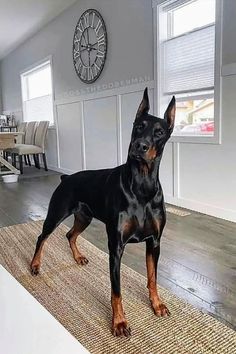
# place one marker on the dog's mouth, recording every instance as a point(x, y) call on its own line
point(137, 157)
point(147, 157)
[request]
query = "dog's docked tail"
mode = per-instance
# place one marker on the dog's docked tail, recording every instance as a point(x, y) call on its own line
point(63, 177)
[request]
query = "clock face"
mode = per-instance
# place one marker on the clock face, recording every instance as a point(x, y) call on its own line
point(89, 46)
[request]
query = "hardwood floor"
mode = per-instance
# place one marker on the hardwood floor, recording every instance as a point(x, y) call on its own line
point(198, 252)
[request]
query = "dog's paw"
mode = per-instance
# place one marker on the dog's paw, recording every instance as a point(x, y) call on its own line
point(82, 260)
point(35, 269)
point(160, 310)
point(121, 329)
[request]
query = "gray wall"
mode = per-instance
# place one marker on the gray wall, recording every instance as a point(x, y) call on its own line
point(0, 97)
point(198, 176)
point(229, 30)
point(130, 54)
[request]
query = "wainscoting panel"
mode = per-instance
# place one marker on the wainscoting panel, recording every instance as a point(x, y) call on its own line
point(100, 132)
point(167, 171)
point(51, 148)
point(69, 118)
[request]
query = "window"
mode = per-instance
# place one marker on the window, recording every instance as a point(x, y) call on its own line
point(186, 63)
point(37, 93)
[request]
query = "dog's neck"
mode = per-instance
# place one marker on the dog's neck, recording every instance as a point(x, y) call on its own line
point(143, 178)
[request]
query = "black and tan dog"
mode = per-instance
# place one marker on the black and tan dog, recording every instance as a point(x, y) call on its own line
point(128, 199)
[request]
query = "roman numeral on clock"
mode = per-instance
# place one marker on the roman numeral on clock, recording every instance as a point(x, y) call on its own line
point(90, 75)
point(76, 54)
point(80, 26)
point(100, 54)
point(101, 40)
point(96, 68)
point(98, 26)
point(86, 20)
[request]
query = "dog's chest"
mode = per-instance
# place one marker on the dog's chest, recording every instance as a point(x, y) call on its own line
point(138, 224)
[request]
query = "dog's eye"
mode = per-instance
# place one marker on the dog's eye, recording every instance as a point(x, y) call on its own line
point(140, 127)
point(158, 133)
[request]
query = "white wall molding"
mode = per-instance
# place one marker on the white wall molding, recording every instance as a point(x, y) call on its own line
point(61, 170)
point(207, 209)
point(106, 93)
point(18, 109)
point(119, 129)
point(83, 137)
point(228, 69)
point(175, 161)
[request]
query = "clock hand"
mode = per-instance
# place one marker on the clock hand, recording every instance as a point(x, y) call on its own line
point(92, 45)
point(84, 38)
point(87, 35)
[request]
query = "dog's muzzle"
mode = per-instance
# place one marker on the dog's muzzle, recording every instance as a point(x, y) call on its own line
point(139, 149)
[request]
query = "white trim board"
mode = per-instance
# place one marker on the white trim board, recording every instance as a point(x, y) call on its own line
point(228, 69)
point(226, 214)
point(106, 93)
point(61, 170)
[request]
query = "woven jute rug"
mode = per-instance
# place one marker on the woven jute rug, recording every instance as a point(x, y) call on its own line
point(79, 297)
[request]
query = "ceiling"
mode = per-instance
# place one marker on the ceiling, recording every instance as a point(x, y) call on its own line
point(19, 20)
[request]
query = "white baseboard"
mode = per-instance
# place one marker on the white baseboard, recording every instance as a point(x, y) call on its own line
point(222, 213)
point(228, 69)
point(61, 170)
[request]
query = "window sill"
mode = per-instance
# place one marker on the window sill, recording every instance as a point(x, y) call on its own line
point(52, 126)
point(195, 139)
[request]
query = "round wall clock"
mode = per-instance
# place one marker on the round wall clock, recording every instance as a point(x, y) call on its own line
point(89, 46)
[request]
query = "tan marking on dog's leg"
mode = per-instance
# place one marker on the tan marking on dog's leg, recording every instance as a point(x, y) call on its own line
point(36, 261)
point(158, 306)
point(72, 235)
point(119, 323)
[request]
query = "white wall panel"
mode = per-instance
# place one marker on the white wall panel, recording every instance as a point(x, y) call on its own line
point(51, 148)
point(70, 136)
point(100, 132)
point(207, 173)
point(166, 170)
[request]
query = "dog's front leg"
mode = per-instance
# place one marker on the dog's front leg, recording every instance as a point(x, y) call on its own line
point(119, 323)
point(152, 256)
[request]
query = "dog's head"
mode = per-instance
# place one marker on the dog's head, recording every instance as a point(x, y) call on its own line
point(150, 133)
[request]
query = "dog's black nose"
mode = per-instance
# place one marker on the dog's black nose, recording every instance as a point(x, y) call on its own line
point(142, 146)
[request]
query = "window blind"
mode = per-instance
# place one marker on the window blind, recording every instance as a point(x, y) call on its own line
point(174, 4)
point(188, 61)
point(37, 109)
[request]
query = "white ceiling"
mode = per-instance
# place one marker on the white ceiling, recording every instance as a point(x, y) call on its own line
point(20, 19)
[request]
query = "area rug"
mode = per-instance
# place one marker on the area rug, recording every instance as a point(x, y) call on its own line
point(79, 298)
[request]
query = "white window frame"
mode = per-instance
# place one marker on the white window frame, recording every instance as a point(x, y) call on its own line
point(216, 138)
point(33, 68)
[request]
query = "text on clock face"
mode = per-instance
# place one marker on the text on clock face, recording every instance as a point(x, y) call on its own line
point(90, 45)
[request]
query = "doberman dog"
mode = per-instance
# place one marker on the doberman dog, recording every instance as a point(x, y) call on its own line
point(127, 198)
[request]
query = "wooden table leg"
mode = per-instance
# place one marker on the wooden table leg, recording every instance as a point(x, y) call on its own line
point(9, 166)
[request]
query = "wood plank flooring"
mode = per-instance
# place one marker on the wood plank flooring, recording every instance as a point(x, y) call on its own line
point(198, 252)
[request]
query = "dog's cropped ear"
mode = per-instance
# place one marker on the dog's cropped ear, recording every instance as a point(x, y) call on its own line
point(144, 105)
point(169, 115)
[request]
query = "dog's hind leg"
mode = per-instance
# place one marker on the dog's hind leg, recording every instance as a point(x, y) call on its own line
point(56, 214)
point(80, 223)
point(36, 261)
